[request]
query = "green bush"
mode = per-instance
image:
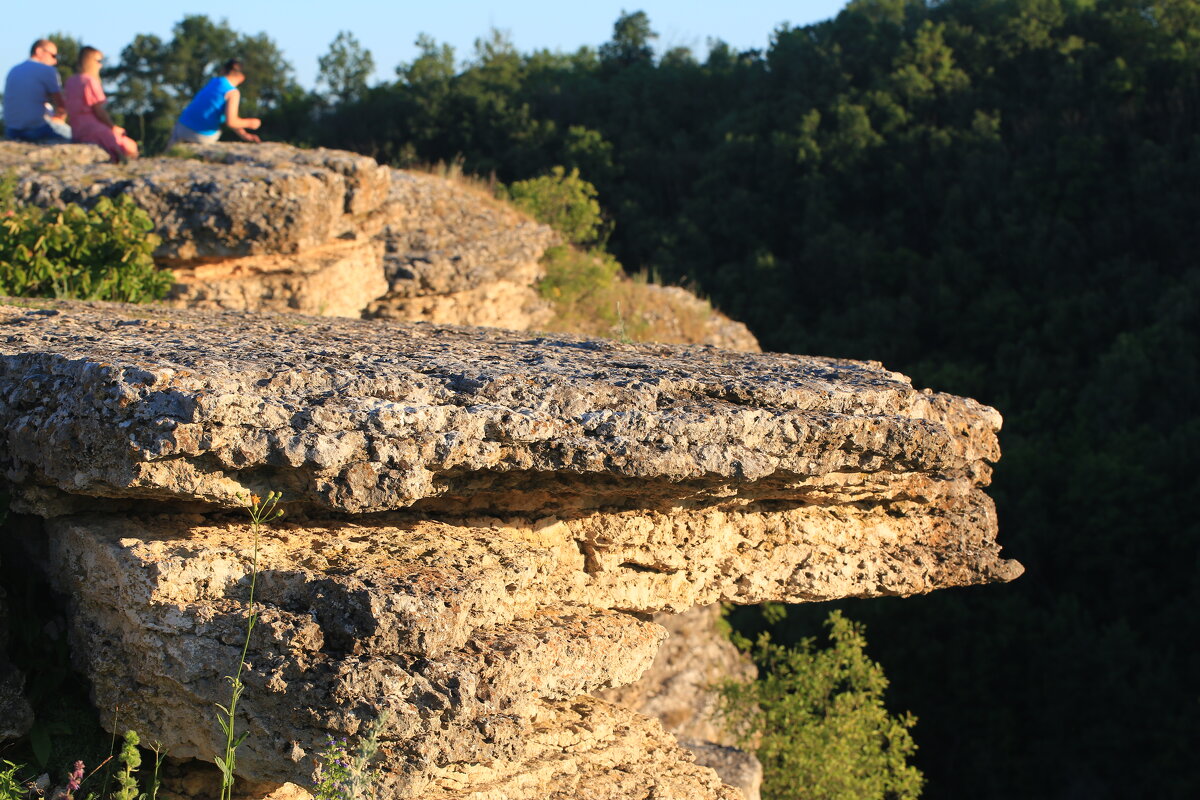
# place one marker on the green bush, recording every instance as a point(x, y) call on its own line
point(817, 721)
point(573, 276)
point(565, 202)
point(99, 254)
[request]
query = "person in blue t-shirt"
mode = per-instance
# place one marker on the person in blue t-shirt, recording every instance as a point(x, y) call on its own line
point(215, 104)
point(27, 89)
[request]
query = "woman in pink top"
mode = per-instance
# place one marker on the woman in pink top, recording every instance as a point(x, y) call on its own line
point(89, 119)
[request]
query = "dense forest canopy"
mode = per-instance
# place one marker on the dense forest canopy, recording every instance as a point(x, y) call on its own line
point(997, 197)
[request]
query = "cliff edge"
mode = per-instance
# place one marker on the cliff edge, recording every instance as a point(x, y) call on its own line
point(479, 523)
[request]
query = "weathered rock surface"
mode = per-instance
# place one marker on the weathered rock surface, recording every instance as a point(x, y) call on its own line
point(455, 255)
point(479, 523)
point(346, 631)
point(271, 227)
point(444, 237)
point(226, 200)
point(339, 279)
point(275, 228)
point(736, 768)
point(679, 690)
point(22, 158)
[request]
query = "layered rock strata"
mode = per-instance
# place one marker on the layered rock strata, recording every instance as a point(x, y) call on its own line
point(271, 227)
point(479, 524)
point(265, 227)
point(276, 228)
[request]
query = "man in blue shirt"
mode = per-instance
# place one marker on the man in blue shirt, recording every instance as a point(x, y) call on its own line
point(29, 86)
point(216, 103)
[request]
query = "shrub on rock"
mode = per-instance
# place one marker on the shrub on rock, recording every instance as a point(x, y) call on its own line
point(102, 253)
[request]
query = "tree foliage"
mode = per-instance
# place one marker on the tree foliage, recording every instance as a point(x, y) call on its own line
point(630, 42)
point(565, 202)
point(817, 720)
point(68, 53)
point(344, 70)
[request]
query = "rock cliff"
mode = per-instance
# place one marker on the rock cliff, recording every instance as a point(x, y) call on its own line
point(271, 227)
point(481, 524)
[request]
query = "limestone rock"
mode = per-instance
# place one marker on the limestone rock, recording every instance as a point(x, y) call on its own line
point(22, 157)
point(737, 768)
point(501, 304)
point(479, 523)
point(270, 227)
point(207, 209)
point(262, 227)
point(164, 616)
point(587, 749)
point(447, 237)
point(679, 690)
point(455, 254)
point(339, 279)
point(583, 748)
point(360, 417)
point(16, 717)
point(366, 182)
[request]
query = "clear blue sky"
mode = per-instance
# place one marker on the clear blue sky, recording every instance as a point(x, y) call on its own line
point(303, 29)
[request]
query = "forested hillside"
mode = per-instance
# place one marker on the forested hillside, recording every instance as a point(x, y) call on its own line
point(997, 197)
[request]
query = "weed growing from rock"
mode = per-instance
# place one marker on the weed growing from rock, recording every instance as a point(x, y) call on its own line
point(262, 510)
point(344, 772)
point(130, 760)
point(11, 787)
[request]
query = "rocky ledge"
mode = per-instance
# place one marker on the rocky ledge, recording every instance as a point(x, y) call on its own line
point(270, 227)
point(480, 525)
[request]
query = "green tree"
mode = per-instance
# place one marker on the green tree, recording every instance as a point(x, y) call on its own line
point(434, 64)
point(344, 70)
point(817, 720)
point(630, 43)
point(68, 53)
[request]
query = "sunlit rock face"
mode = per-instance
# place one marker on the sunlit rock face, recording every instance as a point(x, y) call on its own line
point(270, 227)
point(480, 525)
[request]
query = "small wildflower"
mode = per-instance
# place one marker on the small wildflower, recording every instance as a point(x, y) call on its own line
point(74, 779)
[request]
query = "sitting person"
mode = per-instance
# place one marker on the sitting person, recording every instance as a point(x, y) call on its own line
point(90, 122)
point(216, 103)
point(29, 86)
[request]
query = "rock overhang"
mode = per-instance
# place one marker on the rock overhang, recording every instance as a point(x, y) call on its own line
point(365, 416)
point(481, 521)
